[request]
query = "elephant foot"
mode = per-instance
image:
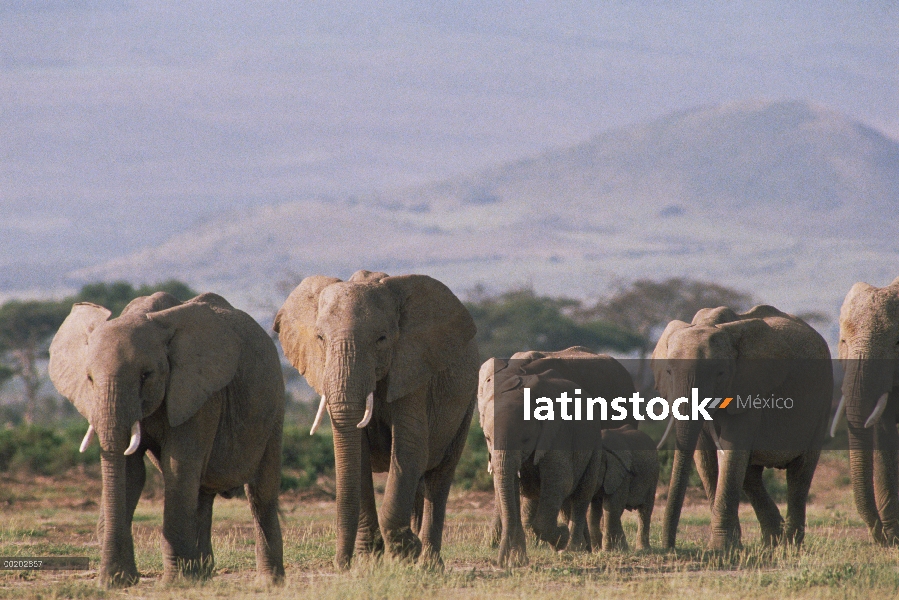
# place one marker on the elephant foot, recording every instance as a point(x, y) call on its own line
point(371, 543)
point(188, 569)
point(877, 533)
point(890, 533)
point(793, 536)
point(119, 577)
point(557, 538)
point(273, 578)
point(513, 551)
point(725, 543)
point(403, 544)
point(430, 560)
point(615, 545)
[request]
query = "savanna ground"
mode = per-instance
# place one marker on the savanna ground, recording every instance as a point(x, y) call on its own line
point(57, 516)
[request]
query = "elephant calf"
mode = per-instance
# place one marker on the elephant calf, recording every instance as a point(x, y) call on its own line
point(553, 464)
point(628, 476)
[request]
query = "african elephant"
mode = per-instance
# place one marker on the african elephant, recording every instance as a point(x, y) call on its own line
point(764, 357)
point(198, 385)
point(869, 352)
point(628, 477)
point(554, 463)
point(395, 362)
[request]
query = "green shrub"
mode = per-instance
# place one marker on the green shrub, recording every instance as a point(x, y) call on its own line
point(471, 472)
point(305, 457)
point(44, 450)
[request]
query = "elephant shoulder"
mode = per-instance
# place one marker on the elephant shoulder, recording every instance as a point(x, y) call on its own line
point(214, 301)
point(364, 276)
point(714, 316)
point(765, 311)
point(152, 303)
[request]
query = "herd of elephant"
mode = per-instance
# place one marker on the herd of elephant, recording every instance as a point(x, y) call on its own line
point(197, 387)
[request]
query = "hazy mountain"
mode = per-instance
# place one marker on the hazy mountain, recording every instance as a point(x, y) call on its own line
point(125, 123)
point(787, 200)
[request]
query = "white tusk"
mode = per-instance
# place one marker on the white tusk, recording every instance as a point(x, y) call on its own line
point(836, 416)
point(878, 410)
point(369, 406)
point(88, 438)
point(318, 415)
point(665, 435)
point(490, 467)
point(135, 439)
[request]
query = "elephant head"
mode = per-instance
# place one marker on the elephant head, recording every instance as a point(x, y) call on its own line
point(371, 336)
point(869, 352)
point(117, 372)
point(718, 353)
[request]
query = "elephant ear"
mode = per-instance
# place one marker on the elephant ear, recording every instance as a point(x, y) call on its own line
point(295, 326)
point(548, 384)
point(761, 358)
point(204, 353)
point(434, 329)
point(658, 361)
point(619, 462)
point(68, 354)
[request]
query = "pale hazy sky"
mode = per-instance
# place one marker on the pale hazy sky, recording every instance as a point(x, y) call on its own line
point(121, 122)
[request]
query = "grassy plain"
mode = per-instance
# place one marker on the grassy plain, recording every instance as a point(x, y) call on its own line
point(57, 516)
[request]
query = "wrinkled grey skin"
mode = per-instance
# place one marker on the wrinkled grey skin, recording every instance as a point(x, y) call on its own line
point(204, 381)
point(628, 477)
point(869, 347)
point(546, 470)
point(410, 341)
point(719, 353)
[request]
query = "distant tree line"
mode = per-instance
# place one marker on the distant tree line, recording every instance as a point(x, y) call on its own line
point(27, 326)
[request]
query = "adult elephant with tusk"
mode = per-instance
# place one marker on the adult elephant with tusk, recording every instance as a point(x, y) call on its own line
point(869, 352)
point(395, 361)
point(199, 387)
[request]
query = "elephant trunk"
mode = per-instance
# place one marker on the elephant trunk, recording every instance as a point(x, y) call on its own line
point(348, 467)
point(512, 546)
point(687, 436)
point(865, 382)
point(117, 567)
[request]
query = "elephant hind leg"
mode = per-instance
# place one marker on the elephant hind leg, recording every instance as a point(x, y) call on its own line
point(799, 479)
point(594, 524)
point(766, 510)
point(262, 495)
point(204, 533)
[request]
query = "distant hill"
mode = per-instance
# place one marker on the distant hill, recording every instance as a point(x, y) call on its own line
point(786, 200)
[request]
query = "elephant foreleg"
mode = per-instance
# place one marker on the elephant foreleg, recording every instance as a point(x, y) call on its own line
point(706, 459)
point(766, 510)
point(407, 464)
point(368, 537)
point(886, 475)
point(726, 510)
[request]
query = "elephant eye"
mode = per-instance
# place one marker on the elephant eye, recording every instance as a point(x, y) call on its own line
point(320, 337)
point(90, 378)
point(383, 338)
point(145, 375)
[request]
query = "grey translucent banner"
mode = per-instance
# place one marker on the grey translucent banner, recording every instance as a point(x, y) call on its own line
point(782, 406)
